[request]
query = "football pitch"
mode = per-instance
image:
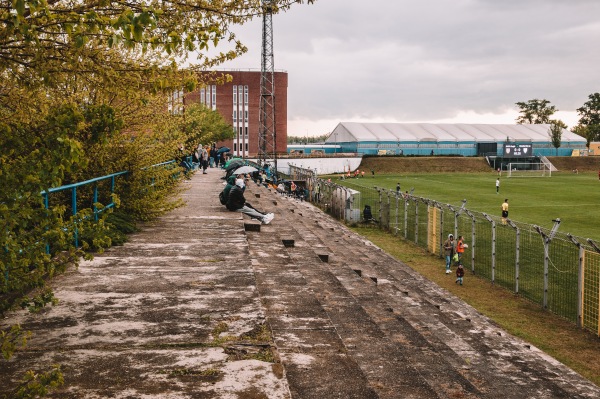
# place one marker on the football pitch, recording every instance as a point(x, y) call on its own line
point(574, 198)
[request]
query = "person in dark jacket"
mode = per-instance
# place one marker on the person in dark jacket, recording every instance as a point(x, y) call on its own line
point(236, 202)
point(224, 195)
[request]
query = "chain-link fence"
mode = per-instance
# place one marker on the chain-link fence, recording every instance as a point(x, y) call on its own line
point(559, 271)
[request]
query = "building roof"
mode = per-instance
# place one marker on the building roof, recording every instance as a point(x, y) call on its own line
point(444, 132)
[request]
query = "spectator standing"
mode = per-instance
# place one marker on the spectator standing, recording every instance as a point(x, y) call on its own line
point(460, 248)
point(398, 190)
point(497, 185)
point(212, 154)
point(449, 251)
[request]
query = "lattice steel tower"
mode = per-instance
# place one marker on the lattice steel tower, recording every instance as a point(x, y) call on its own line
point(267, 137)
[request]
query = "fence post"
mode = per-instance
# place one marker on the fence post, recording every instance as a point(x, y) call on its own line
point(579, 281)
point(346, 205)
point(380, 201)
point(547, 239)
point(441, 231)
point(597, 249)
point(468, 212)
point(397, 210)
point(518, 243)
point(489, 219)
point(416, 220)
point(385, 211)
point(406, 199)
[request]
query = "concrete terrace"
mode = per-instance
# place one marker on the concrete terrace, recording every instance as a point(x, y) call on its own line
point(198, 306)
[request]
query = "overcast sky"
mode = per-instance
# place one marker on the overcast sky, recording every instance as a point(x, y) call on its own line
point(458, 61)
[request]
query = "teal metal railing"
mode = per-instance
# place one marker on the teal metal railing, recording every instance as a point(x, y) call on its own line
point(73, 187)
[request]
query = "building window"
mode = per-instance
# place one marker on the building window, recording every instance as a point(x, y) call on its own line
point(240, 131)
point(175, 102)
point(234, 147)
point(246, 147)
point(246, 127)
point(214, 96)
point(234, 115)
point(246, 115)
point(246, 94)
point(202, 91)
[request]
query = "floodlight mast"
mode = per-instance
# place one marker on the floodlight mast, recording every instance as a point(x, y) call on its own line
point(267, 138)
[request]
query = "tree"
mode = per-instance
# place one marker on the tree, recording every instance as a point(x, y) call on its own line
point(583, 131)
point(41, 40)
point(555, 133)
point(205, 126)
point(535, 111)
point(589, 118)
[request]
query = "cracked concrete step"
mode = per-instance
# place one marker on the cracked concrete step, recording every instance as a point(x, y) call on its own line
point(307, 342)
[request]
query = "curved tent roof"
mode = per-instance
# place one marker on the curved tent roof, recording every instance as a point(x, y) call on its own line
point(444, 132)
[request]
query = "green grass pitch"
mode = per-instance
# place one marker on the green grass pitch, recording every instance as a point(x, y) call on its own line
point(574, 198)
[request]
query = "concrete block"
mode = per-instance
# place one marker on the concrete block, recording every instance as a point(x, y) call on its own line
point(252, 225)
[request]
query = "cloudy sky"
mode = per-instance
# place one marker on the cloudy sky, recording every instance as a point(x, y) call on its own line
point(458, 61)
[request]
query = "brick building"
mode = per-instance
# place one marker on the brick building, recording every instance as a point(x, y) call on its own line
point(238, 102)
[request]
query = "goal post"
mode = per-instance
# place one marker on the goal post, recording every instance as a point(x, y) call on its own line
point(528, 169)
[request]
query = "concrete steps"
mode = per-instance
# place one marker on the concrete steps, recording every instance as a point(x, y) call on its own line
point(408, 337)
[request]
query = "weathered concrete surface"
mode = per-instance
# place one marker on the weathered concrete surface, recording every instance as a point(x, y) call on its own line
point(196, 307)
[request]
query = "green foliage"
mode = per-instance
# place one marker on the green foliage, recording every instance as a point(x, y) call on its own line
point(35, 156)
point(535, 111)
point(307, 140)
point(39, 301)
point(205, 126)
point(82, 96)
point(11, 340)
point(589, 118)
point(121, 224)
point(36, 385)
point(40, 39)
point(555, 133)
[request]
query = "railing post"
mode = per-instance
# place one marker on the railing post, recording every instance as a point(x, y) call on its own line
point(517, 249)
point(46, 196)
point(489, 219)
point(95, 200)
point(74, 211)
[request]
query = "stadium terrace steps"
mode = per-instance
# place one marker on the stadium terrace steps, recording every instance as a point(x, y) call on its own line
point(172, 314)
point(408, 336)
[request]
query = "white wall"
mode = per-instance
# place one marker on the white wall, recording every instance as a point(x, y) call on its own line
point(323, 166)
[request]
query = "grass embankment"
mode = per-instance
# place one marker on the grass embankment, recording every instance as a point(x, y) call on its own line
point(557, 337)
